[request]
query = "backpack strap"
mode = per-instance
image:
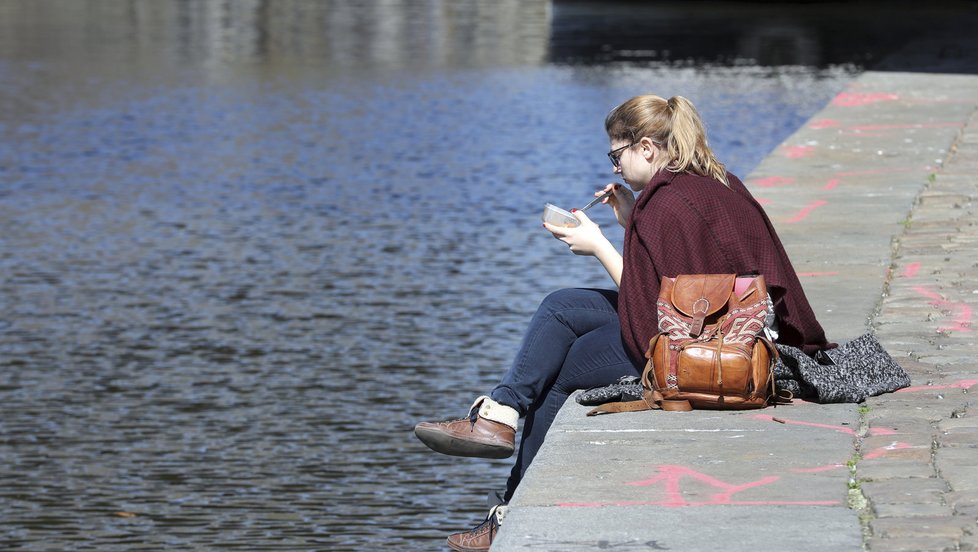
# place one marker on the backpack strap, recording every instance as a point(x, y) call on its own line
point(651, 398)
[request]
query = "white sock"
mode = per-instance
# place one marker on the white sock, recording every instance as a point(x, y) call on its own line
point(491, 410)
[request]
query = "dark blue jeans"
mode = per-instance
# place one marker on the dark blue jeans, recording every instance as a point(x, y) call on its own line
point(573, 342)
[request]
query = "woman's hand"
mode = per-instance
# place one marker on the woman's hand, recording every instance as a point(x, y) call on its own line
point(622, 201)
point(586, 239)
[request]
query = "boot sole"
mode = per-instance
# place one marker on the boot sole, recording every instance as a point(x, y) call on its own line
point(444, 443)
point(460, 548)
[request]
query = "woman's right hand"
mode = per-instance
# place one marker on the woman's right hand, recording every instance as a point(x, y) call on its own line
point(622, 201)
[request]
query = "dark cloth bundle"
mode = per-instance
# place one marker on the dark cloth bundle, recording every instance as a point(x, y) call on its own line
point(628, 388)
point(856, 370)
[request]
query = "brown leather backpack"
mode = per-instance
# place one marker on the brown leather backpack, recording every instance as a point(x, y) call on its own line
point(711, 351)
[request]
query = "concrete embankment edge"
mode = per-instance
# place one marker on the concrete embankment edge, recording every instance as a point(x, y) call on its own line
point(874, 199)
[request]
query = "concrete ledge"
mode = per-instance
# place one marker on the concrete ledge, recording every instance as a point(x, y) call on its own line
point(841, 191)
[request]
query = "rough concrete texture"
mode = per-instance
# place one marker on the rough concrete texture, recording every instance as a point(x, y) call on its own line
point(875, 200)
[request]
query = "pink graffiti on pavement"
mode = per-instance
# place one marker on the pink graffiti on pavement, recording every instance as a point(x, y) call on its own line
point(824, 123)
point(858, 99)
point(840, 429)
point(819, 469)
point(770, 181)
point(902, 126)
point(962, 384)
point(962, 318)
point(883, 451)
point(831, 184)
point(871, 455)
point(797, 152)
point(671, 476)
point(911, 270)
point(807, 210)
point(870, 172)
point(764, 200)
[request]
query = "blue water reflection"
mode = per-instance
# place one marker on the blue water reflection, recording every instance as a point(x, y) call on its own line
point(227, 301)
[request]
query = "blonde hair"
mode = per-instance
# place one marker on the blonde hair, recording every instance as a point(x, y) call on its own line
point(675, 126)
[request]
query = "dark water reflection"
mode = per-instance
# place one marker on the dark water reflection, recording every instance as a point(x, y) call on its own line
point(229, 290)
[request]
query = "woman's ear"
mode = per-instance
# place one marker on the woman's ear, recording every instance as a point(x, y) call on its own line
point(649, 148)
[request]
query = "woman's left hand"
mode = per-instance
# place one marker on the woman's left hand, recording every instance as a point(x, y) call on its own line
point(586, 239)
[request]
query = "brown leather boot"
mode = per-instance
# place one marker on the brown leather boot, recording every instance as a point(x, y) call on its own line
point(480, 538)
point(488, 432)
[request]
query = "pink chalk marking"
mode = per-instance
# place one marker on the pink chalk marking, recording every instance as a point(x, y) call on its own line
point(840, 429)
point(772, 181)
point(817, 274)
point(911, 270)
point(859, 128)
point(935, 298)
point(831, 184)
point(807, 210)
point(764, 200)
point(797, 152)
point(824, 123)
point(694, 504)
point(859, 99)
point(963, 384)
point(671, 475)
point(872, 455)
point(962, 320)
point(883, 451)
point(819, 469)
point(869, 172)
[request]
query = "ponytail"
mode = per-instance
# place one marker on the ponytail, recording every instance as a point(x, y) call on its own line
point(687, 143)
point(675, 126)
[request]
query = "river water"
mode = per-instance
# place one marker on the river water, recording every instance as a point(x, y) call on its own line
point(245, 246)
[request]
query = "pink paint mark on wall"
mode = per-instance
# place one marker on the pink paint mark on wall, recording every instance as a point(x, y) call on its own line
point(962, 384)
point(797, 152)
point(858, 99)
point(771, 181)
point(831, 184)
point(807, 210)
point(911, 270)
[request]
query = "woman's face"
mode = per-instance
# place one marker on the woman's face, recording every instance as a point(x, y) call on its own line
point(634, 162)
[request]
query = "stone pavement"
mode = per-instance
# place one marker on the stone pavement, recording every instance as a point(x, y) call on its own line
point(875, 200)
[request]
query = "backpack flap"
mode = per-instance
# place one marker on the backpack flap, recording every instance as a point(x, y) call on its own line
point(700, 296)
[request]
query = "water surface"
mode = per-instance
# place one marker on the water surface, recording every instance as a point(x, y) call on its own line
point(233, 276)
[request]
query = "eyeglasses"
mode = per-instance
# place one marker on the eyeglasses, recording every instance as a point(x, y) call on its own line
point(615, 155)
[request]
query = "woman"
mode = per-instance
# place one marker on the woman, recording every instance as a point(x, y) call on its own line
point(691, 217)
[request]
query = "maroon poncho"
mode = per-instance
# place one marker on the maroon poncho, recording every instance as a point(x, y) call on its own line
point(683, 223)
